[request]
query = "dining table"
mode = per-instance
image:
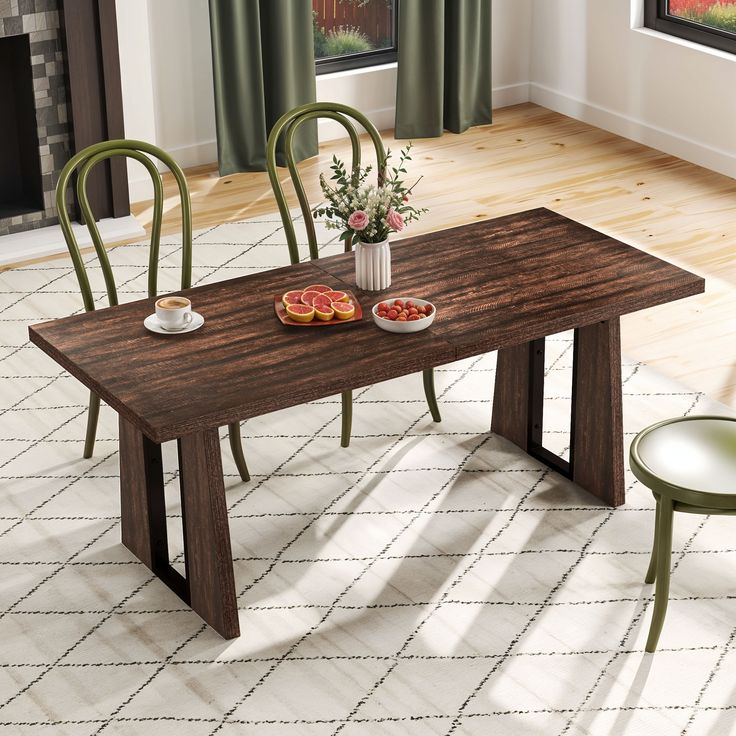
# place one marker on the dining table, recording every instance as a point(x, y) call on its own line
point(501, 284)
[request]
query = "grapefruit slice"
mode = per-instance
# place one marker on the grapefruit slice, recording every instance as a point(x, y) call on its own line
point(321, 300)
point(324, 312)
point(342, 310)
point(337, 296)
point(292, 297)
point(308, 297)
point(321, 288)
point(300, 312)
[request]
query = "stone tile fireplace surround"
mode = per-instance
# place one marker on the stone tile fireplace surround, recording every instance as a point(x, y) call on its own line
point(60, 91)
point(39, 20)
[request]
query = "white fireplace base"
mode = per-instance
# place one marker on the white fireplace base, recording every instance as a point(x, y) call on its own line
point(49, 241)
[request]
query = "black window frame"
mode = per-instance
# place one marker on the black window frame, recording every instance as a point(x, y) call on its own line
point(368, 58)
point(657, 18)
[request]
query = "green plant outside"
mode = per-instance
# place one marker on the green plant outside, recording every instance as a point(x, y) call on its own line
point(363, 3)
point(344, 41)
point(722, 17)
point(319, 38)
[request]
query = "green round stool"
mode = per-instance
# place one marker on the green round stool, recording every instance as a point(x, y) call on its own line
point(689, 463)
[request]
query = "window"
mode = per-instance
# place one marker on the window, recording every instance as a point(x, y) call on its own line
point(352, 33)
point(709, 22)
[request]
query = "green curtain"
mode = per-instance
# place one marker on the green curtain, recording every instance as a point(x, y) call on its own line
point(263, 64)
point(444, 75)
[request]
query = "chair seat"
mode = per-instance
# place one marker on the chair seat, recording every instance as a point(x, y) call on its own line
point(695, 455)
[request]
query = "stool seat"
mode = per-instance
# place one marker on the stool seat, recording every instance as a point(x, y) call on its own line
point(690, 459)
point(689, 463)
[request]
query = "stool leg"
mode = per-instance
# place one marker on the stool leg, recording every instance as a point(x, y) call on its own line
point(347, 418)
point(664, 554)
point(652, 571)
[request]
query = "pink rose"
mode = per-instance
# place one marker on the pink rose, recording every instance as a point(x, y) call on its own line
point(395, 220)
point(358, 220)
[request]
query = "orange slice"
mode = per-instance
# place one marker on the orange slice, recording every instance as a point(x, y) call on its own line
point(321, 300)
point(324, 312)
point(308, 297)
point(342, 310)
point(337, 296)
point(300, 312)
point(292, 297)
point(321, 288)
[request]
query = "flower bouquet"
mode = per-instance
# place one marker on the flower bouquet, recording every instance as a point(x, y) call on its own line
point(369, 213)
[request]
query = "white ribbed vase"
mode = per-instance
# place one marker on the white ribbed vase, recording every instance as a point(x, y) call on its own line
point(373, 266)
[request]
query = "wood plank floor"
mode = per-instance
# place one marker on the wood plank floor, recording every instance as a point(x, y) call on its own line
point(533, 157)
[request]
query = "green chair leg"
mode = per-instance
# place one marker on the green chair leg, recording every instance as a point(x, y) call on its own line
point(652, 570)
point(92, 416)
point(434, 409)
point(664, 553)
point(347, 418)
point(236, 447)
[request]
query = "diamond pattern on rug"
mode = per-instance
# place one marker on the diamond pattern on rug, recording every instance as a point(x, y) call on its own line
point(430, 579)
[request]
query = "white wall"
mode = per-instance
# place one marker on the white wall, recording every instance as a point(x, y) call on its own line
point(137, 83)
point(167, 77)
point(590, 63)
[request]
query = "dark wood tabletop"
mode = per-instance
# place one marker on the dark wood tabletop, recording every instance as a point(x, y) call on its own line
point(495, 283)
point(520, 277)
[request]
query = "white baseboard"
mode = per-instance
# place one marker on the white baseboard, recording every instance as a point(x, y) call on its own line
point(49, 241)
point(685, 148)
point(196, 154)
point(511, 94)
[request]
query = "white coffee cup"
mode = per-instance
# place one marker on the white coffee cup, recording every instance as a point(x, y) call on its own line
point(173, 312)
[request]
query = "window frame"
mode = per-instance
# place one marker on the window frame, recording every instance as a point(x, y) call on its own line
point(657, 18)
point(377, 57)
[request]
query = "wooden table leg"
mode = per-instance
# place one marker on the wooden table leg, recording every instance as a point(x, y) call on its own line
point(598, 453)
point(511, 395)
point(209, 585)
point(142, 504)
point(209, 559)
point(518, 401)
point(596, 428)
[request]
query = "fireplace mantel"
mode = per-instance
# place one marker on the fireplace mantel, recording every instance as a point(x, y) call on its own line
point(95, 95)
point(72, 99)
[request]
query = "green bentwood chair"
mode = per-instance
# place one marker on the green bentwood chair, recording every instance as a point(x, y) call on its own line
point(689, 463)
point(85, 161)
point(288, 124)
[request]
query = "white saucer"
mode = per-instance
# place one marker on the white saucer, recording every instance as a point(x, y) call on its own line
point(151, 323)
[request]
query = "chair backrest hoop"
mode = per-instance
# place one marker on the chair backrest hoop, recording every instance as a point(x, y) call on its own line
point(85, 161)
point(288, 124)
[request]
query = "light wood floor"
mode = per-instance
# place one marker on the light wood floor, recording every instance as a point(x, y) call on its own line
point(533, 157)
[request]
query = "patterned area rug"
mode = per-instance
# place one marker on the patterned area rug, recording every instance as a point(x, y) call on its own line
point(430, 579)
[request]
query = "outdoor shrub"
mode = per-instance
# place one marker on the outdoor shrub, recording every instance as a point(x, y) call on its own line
point(709, 12)
point(690, 8)
point(347, 40)
point(363, 3)
point(319, 38)
point(720, 16)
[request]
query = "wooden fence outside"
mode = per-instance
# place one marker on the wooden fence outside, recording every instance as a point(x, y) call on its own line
point(374, 19)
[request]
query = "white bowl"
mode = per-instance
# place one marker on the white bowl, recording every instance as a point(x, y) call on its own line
point(416, 325)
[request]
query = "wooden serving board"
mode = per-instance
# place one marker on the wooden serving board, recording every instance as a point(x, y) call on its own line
point(280, 309)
